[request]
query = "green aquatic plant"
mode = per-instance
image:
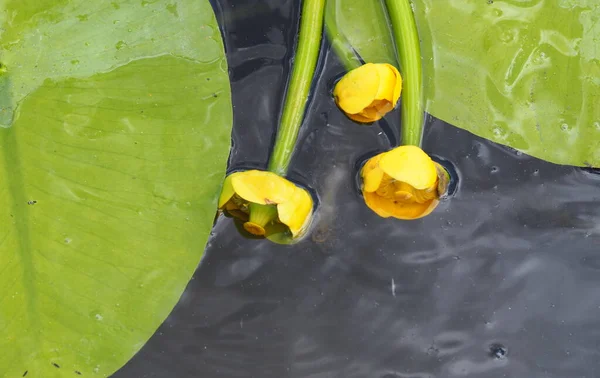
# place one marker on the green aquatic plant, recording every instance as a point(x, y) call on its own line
point(116, 131)
point(405, 182)
point(522, 74)
point(267, 203)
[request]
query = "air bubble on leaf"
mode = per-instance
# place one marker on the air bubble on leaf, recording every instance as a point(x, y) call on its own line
point(507, 36)
point(498, 132)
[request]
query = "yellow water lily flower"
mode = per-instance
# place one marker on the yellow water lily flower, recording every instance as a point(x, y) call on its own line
point(404, 183)
point(266, 202)
point(368, 92)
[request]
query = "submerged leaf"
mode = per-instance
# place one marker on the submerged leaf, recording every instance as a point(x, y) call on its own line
point(119, 118)
point(521, 73)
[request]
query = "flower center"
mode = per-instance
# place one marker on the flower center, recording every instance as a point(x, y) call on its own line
point(260, 217)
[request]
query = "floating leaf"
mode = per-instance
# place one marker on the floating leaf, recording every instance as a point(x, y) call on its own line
point(364, 26)
point(521, 73)
point(117, 129)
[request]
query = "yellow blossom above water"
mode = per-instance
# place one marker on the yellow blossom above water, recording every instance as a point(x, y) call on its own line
point(266, 203)
point(368, 92)
point(403, 183)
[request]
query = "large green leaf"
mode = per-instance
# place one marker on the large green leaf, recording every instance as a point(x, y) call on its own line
point(524, 73)
point(363, 25)
point(118, 118)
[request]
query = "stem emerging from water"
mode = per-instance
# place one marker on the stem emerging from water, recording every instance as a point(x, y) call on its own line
point(305, 61)
point(409, 56)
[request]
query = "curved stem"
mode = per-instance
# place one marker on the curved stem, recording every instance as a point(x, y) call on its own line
point(409, 56)
point(339, 43)
point(305, 62)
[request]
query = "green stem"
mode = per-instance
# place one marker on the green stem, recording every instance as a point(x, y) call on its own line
point(409, 56)
point(305, 61)
point(338, 41)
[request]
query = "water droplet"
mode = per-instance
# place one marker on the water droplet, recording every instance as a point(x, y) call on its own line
point(75, 62)
point(597, 125)
point(507, 36)
point(68, 240)
point(536, 172)
point(99, 317)
point(497, 130)
point(120, 45)
point(498, 351)
point(565, 127)
point(494, 169)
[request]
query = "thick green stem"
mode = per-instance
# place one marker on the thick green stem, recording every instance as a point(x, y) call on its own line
point(338, 41)
point(409, 56)
point(305, 61)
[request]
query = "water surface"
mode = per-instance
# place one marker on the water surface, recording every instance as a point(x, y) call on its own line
point(502, 280)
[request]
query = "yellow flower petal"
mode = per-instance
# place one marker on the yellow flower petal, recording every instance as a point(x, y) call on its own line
point(403, 183)
point(378, 204)
point(248, 190)
point(296, 212)
point(362, 119)
point(382, 107)
point(370, 113)
point(406, 211)
point(387, 82)
point(398, 85)
point(372, 174)
point(386, 188)
point(403, 195)
point(357, 89)
point(227, 192)
point(367, 93)
point(411, 165)
point(261, 187)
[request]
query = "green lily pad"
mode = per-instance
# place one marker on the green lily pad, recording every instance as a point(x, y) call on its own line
point(362, 24)
point(523, 73)
point(117, 123)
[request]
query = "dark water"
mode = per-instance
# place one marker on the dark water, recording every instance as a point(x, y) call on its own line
point(503, 280)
